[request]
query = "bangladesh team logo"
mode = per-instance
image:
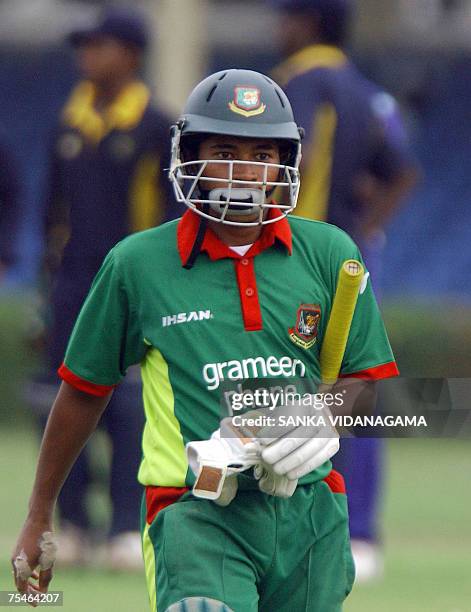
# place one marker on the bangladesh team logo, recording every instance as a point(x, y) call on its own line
point(247, 102)
point(304, 333)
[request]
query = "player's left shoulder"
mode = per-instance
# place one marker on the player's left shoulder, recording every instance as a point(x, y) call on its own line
point(320, 233)
point(154, 244)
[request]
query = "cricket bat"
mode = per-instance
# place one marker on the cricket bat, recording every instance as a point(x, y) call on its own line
point(340, 320)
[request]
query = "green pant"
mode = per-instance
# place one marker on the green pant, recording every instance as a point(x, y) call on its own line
point(259, 553)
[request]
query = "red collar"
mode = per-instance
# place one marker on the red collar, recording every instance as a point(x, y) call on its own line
point(188, 228)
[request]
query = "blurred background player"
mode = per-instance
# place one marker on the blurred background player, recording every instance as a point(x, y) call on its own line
point(9, 206)
point(356, 170)
point(105, 181)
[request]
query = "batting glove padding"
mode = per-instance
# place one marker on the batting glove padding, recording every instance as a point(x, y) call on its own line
point(300, 450)
point(271, 483)
point(217, 461)
point(296, 457)
point(234, 453)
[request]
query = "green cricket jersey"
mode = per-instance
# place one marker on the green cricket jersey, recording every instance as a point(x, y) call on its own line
point(230, 317)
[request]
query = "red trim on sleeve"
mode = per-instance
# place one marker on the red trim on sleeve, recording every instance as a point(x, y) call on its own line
point(158, 498)
point(336, 482)
point(386, 370)
point(82, 384)
point(249, 302)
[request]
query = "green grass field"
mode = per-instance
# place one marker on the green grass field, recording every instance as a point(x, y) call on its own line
point(427, 498)
point(427, 506)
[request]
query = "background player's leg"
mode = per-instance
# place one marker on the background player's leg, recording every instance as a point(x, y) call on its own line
point(72, 507)
point(74, 542)
point(361, 463)
point(124, 421)
point(362, 482)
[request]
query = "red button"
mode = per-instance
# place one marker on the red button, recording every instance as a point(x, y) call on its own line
point(249, 292)
point(244, 262)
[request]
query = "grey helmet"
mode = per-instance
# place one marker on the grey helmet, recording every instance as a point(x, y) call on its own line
point(245, 104)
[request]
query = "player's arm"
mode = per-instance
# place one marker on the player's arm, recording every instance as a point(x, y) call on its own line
point(73, 418)
point(391, 173)
point(381, 198)
point(318, 117)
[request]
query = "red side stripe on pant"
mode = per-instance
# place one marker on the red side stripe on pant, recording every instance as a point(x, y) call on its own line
point(336, 482)
point(158, 498)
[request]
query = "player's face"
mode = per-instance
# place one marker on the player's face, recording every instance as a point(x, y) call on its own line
point(231, 148)
point(104, 58)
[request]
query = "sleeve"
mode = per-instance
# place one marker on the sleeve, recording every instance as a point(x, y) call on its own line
point(106, 338)
point(391, 152)
point(318, 118)
point(368, 353)
point(147, 199)
point(151, 195)
point(9, 206)
point(305, 95)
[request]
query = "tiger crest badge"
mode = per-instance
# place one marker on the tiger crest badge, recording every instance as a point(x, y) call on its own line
point(247, 102)
point(304, 333)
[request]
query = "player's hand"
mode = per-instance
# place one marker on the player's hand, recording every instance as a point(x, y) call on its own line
point(295, 457)
point(294, 451)
point(225, 448)
point(217, 461)
point(33, 557)
point(271, 483)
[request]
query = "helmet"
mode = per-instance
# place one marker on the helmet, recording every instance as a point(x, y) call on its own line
point(244, 104)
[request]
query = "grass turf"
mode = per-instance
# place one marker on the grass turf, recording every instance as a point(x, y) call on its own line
point(427, 533)
point(427, 501)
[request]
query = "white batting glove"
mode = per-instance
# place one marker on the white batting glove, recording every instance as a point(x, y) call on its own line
point(233, 452)
point(271, 483)
point(294, 452)
point(296, 457)
point(217, 461)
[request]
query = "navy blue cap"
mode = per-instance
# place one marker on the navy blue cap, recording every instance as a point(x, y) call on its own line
point(332, 6)
point(124, 24)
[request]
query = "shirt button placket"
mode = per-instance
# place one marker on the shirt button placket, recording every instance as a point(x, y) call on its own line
point(247, 283)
